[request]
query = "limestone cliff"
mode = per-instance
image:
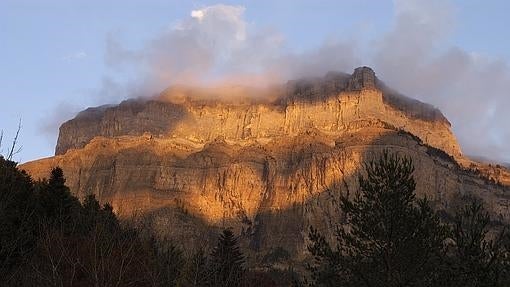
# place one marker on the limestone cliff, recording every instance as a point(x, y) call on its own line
point(330, 104)
point(268, 168)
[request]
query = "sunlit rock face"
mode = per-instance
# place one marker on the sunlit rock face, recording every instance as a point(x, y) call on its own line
point(268, 166)
point(331, 105)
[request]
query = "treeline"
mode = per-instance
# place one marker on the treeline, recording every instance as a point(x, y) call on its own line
point(388, 237)
point(385, 237)
point(49, 238)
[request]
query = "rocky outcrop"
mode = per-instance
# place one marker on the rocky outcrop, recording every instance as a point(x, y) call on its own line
point(363, 78)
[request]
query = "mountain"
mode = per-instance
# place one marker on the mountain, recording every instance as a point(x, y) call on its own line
point(267, 162)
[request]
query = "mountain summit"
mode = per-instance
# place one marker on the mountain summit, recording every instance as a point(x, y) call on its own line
point(329, 104)
point(363, 78)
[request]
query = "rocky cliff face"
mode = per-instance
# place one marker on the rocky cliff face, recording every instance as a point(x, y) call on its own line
point(268, 169)
point(330, 105)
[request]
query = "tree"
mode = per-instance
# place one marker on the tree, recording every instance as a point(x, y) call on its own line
point(169, 263)
point(56, 203)
point(195, 272)
point(227, 261)
point(82, 245)
point(14, 149)
point(479, 254)
point(17, 219)
point(93, 214)
point(390, 238)
point(48, 238)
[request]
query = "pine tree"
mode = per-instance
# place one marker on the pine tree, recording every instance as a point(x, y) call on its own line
point(17, 220)
point(93, 214)
point(57, 204)
point(390, 239)
point(227, 261)
point(480, 255)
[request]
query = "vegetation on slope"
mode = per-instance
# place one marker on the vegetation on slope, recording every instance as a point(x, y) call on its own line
point(391, 238)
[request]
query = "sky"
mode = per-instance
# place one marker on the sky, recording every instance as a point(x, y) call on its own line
point(58, 57)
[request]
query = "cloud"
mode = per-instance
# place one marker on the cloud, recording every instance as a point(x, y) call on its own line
point(48, 127)
point(194, 50)
point(470, 88)
point(199, 14)
point(75, 56)
point(216, 44)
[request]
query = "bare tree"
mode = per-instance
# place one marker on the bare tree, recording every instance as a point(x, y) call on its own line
point(15, 148)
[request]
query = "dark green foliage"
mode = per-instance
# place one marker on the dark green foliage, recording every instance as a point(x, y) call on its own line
point(48, 238)
point(93, 214)
point(478, 256)
point(17, 219)
point(327, 269)
point(390, 239)
point(82, 244)
point(56, 204)
point(227, 261)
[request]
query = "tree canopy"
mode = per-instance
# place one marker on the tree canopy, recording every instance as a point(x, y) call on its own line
point(391, 238)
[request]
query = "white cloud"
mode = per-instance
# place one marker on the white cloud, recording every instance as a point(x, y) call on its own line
point(75, 56)
point(199, 14)
point(217, 44)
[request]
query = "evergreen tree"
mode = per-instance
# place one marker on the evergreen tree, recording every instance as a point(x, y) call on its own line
point(390, 238)
point(93, 214)
point(480, 254)
point(227, 261)
point(40, 244)
point(57, 204)
point(17, 219)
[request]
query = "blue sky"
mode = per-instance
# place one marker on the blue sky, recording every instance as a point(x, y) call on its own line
point(54, 58)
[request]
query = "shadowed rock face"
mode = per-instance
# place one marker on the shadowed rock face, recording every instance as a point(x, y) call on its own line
point(268, 169)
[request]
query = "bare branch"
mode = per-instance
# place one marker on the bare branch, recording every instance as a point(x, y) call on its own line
point(14, 149)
